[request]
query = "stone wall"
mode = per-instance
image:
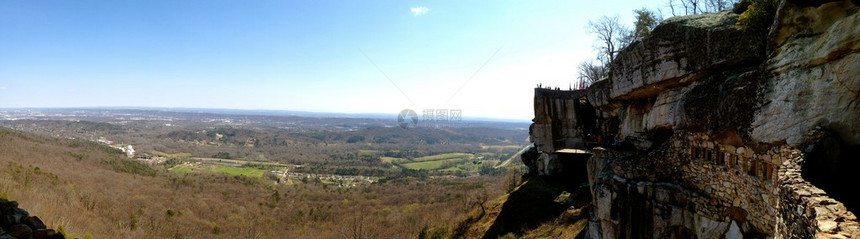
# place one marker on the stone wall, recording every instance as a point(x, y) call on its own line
point(689, 185)
point(805, 211)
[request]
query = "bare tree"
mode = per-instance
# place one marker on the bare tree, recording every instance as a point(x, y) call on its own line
point(480, 198)
point(694, 6)
point(700, 6)
point(590, 72)
point(719, 5)
point(357, 228)
point(672, 7)
point(687, 7)
point(610, 34)
point(713, 5)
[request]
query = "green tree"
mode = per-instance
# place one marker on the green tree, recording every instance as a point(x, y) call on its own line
point(222, 155)
point(646, 21)
point(757, 15)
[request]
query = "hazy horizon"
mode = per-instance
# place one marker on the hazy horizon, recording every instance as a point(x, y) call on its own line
point(262, 112)
point(335, 57)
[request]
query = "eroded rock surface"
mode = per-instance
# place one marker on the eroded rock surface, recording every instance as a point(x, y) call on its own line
point(680, 51)
point(816, 72)
point(706, 131)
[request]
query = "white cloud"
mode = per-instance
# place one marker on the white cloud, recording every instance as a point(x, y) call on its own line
point(418, 11)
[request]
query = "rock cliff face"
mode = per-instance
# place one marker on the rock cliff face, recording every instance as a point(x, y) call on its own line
point(706, 131)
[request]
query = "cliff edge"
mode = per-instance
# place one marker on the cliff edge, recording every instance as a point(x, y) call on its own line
point(706, 130)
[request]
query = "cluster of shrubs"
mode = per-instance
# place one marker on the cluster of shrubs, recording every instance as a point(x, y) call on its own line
point(756, 15)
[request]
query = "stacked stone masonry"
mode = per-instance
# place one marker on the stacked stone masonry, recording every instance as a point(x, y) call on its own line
point(17, 223)
point(805, 211)
point(731, 188)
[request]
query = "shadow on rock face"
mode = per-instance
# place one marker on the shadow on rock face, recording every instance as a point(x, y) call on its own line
point(832, 165)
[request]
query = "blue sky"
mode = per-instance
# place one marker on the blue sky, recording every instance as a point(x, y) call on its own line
point(325, 56)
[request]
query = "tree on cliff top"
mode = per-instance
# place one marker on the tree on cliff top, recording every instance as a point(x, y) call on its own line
point(589, 72)
point(646, 21)
point(687, 7)
point(756, 15)
point(610, 36)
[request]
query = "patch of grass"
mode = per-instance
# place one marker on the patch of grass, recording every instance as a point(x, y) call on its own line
point(443, 156)
point(169, 155)
point(487, 154)
point(425, 165)
point(498, 147)
point(391, 159)
point(244, 171)
point(467, 166)
point(436, 164)
point(254, 172)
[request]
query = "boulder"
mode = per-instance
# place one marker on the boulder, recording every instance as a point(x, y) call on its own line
point(17, 223)
point(680, 51)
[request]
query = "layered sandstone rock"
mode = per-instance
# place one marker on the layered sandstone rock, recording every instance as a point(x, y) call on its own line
point(816, 74)
point(715, 127)
point(680, 51)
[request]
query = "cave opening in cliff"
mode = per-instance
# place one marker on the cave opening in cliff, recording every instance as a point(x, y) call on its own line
point(832, 165)
point(586, 116)
point(575, 168)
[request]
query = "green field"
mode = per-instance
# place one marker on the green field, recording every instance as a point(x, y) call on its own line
point(487, 155)
point(169, 155)
point(445, 162)
point(443, 157)
point(425, 165)
point(199, 168)
point(501, 146)
point(437, 161)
